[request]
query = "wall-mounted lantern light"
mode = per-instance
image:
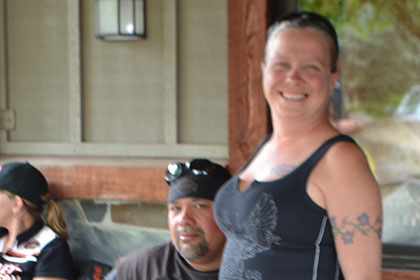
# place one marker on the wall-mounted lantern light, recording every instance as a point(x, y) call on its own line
point(120, 20)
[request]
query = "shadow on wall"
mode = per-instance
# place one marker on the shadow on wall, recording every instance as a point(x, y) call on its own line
point(96, 246)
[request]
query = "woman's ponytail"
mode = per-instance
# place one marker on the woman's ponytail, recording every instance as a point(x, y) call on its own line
point(55, 217)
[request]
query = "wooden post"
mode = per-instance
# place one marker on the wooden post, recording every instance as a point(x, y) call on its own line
point(248, 111)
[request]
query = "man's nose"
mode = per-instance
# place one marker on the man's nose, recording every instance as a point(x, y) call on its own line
point(187, 216)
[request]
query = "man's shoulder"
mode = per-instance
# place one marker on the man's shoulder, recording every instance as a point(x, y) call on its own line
point(152, 262)
point(149, 254)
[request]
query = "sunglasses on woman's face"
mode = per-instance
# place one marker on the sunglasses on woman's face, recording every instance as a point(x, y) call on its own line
point(176, 170)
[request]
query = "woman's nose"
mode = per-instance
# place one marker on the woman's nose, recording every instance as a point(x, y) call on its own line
point(293, 75)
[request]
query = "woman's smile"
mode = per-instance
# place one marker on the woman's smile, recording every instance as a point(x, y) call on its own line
point(293, 95)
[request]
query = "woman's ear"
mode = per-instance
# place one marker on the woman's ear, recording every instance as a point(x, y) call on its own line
point(334, 80)
point(263, 68)
point(338, 71)
point(17, 204)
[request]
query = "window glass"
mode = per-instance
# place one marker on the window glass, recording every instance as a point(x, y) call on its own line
point(378, 100)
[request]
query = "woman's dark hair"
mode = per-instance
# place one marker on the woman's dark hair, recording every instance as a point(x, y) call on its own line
point(301, 19)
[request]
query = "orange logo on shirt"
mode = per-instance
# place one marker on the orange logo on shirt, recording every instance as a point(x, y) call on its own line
point(98, 272)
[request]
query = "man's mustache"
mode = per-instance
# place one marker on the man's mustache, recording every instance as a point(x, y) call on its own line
point(189, 229)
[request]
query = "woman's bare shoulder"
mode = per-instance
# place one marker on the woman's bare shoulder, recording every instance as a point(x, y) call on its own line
point(345, 169)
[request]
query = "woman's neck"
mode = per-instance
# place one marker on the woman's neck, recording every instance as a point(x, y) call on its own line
point(296, 128)
point(18, 224)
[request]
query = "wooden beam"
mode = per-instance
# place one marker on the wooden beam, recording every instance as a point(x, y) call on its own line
point(107, 182)
point(130, 179)
point(248, 112)
point(393, 274)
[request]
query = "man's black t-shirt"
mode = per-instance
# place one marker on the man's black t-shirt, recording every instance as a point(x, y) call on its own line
point(159, 262)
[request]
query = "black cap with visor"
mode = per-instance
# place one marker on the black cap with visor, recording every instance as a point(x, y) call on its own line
point(199, 178)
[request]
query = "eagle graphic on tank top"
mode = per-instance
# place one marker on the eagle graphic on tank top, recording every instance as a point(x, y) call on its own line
point(256, 236)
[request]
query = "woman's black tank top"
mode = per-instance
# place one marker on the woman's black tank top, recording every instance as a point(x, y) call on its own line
point(274, 230)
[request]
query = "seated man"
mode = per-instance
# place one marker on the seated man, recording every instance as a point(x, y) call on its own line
point(197, 243)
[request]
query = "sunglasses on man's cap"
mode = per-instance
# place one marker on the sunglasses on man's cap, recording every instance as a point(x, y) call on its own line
point(176, 170)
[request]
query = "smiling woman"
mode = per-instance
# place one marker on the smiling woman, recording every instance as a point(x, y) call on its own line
point(298, 72)
point(305, 205)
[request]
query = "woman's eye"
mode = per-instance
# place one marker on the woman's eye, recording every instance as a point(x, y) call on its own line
point(279, 65)
point(312, 67)
point(282, 65)
point(316, 67)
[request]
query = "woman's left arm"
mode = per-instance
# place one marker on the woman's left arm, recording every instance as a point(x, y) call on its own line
point(353, 202)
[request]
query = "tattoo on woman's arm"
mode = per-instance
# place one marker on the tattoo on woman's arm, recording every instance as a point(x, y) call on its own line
point(347, 229)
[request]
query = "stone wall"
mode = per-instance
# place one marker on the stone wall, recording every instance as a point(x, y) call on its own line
point(101, 231)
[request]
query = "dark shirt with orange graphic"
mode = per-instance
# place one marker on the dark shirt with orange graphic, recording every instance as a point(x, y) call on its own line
point(36, 252)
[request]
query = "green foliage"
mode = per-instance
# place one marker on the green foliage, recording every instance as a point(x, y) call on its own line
point(331, 9)
point(357, 16)
point(380, 40)
point(377, 107)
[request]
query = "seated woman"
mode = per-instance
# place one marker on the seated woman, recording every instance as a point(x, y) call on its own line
point(31, 249)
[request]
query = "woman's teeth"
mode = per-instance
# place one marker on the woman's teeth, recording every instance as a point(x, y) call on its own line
point(293, 96)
